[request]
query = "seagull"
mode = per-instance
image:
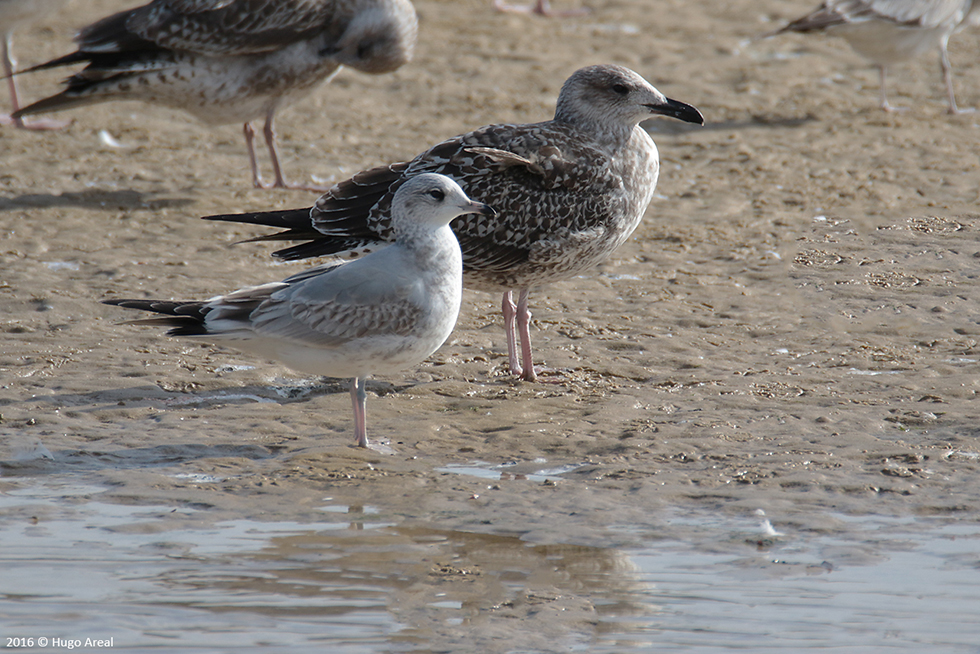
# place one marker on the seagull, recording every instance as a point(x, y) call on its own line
point(568, 192)
point(14, 13)
point(228, 61)
point(387, 311)
point(890, 31)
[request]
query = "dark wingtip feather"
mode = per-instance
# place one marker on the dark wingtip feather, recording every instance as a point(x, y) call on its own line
point(295, 223)
point(129, 304)
point(189, 329)
point(184, 318)
point(67, 60)
point(286, 219)
point(57, 102)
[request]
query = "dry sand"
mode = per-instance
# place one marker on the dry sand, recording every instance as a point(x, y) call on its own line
point(794, 326)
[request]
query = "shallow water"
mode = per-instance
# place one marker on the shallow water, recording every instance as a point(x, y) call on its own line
point(159, 577)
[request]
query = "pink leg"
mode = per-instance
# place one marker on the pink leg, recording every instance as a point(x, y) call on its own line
point(540, 7)
point(269, 131)
point(5, 119)
point(524, 329)
point(252, 160)
point(883, 94)
point(509, 310)
point(948, 78)
point(882, 75)
point(359, 400)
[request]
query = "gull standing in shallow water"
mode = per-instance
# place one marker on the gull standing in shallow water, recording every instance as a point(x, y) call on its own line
point(14, 13)
point(567, 192)
point(387, 311)
point(891, 31)
point(228, 61)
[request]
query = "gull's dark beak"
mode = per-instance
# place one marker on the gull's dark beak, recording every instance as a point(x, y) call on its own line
point(678, 110)
point(485, 209)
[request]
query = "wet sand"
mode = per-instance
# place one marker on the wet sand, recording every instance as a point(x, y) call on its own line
point(793, 328)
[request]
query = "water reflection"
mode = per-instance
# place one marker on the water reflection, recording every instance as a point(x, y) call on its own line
point(160, 577)
point(361, 581)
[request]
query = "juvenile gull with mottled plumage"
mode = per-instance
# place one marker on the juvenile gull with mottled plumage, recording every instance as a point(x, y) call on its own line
point(891, 31)
point(387, 311)
point(568, 192)
point(228, 61)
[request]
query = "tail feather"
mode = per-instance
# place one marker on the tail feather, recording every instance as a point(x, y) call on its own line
point(286, 219)
point(290, 235)
point(339, 224)
point(67, 60)
point(95, 83)
point(57, 102)
point(185, 318)
point(818, 20)
point(111, 53)
point(295, 222)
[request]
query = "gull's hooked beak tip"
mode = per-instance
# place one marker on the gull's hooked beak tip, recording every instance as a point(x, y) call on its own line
point(678, 110)
point(484, 209)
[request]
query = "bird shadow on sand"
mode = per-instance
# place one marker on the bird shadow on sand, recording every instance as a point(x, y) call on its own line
point(132, 397)
point(93, 199)
point(34, 459)
point(93, 458)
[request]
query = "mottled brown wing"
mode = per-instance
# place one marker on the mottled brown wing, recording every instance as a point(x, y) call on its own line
point(230, 27)
point(360, 206)
point(540, 180)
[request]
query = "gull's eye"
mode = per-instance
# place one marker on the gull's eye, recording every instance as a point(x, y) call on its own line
point(437, 195)
point(620, 89)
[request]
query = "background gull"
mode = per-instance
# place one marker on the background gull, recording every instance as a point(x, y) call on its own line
point(568, 192)
point(227, 61)
point(384, 312)
point(14, 13)
point(891, 31)
point(540, 7)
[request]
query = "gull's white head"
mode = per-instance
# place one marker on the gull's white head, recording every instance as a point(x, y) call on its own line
point(431, 200)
